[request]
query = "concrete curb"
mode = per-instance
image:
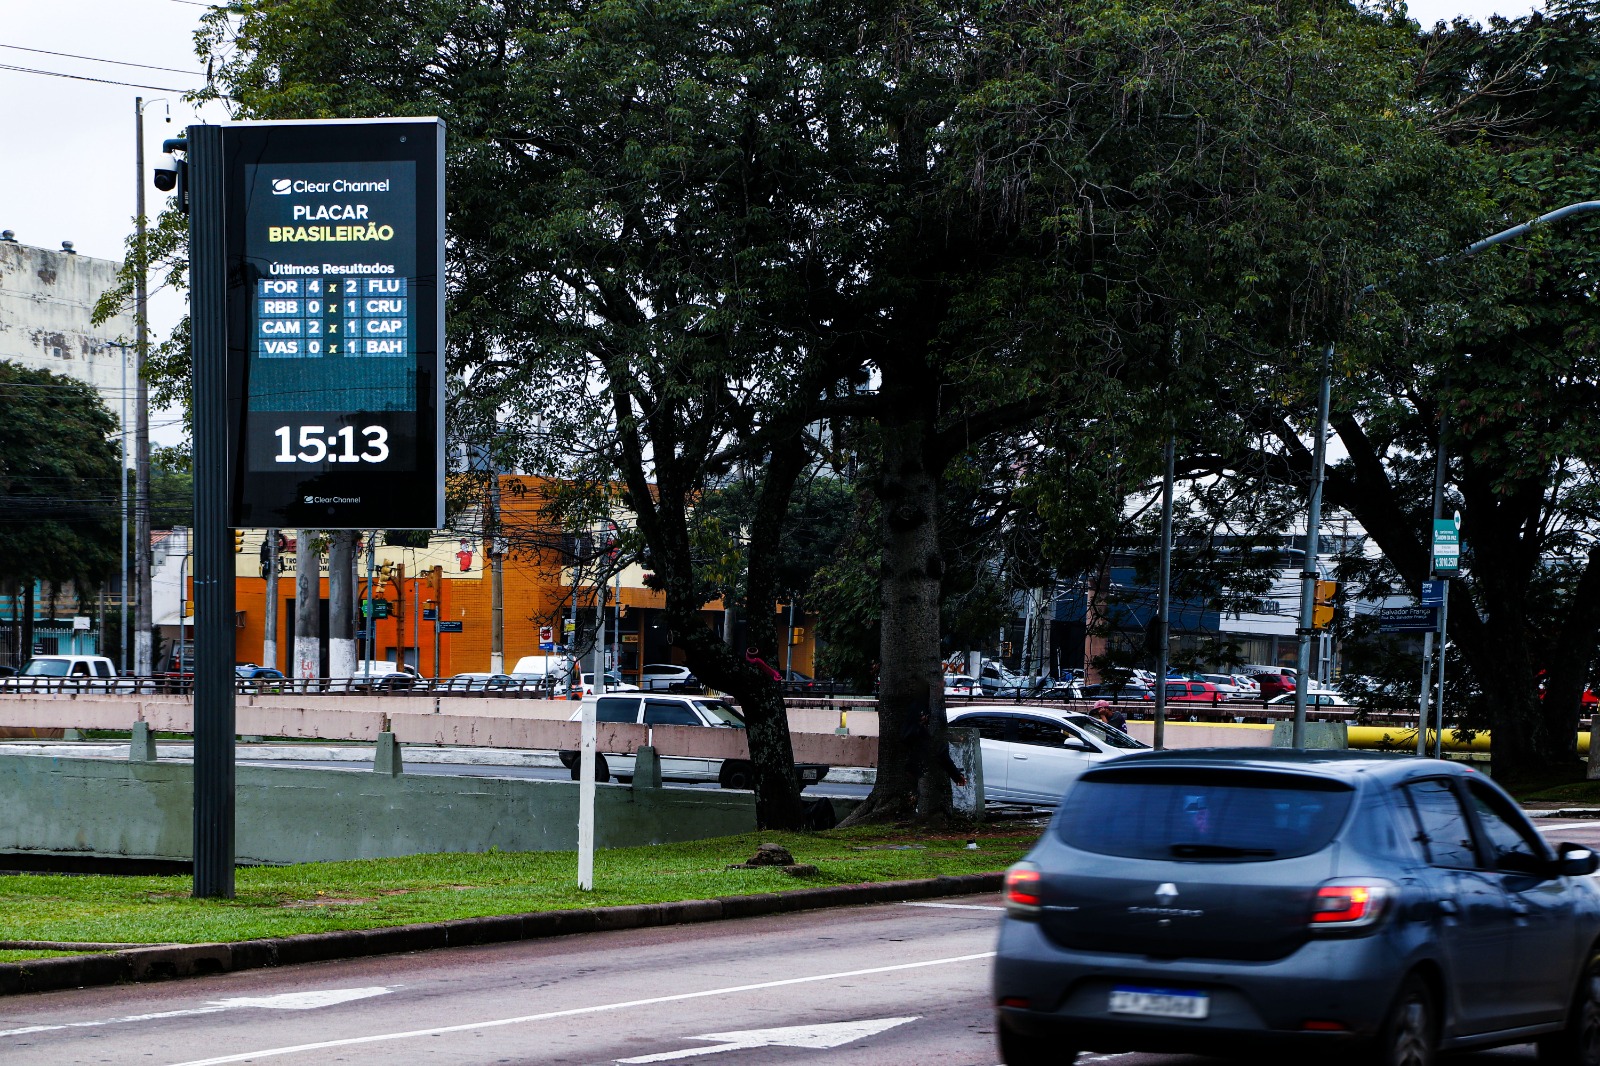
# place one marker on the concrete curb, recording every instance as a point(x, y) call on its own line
point(198, 960)
point(1565, 812)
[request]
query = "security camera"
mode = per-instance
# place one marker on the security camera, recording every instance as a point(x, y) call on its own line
point(166, 171)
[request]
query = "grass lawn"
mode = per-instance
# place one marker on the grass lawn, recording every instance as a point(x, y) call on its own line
point(318, 897)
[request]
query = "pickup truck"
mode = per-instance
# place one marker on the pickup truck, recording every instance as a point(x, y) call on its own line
point(66, 673)
point(661, 708)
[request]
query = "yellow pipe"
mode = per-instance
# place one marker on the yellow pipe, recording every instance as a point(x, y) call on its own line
point(1404, 738)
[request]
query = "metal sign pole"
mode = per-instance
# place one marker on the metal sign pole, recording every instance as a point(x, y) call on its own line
point(213, 554)
point(1438, 703)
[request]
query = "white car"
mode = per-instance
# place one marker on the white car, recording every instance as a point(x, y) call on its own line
point(660, 677)
point(614, 683)
point(674, 709)
point(1313, 699)
point(1031, 756)
point(1229, 686)
point(961, 685)
point(67, 673)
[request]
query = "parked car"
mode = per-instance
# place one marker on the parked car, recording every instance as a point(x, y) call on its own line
point(1313, 699)
point(1275, 684)
point(253, 678)
point(1032, 756)
point(472, 682)
point(664, 677)
point(1318, 904)
point(664, 709)
point(1229, 686)
point(1071, 689)
point(961, 685)
point(1193, 692)
point(1119, 693)
point(614, 683)
point(797, 684)
point(66, 673)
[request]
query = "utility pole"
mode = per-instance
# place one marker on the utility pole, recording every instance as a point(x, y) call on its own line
point(142, 637)
point(269, 615)
point(1308, 572)
point(497, 566)
point(1164, 594)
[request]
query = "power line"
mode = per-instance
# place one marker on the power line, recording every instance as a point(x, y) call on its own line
point(85, 77)
point(96, 59)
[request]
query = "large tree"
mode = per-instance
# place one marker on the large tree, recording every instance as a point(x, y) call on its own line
point(1492, 357)
point(683, 233)
point(59, 495)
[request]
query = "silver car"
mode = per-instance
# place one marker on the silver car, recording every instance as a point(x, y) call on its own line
point(1330, 903)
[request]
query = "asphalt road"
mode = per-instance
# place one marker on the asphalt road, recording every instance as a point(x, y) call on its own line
point(869, 986)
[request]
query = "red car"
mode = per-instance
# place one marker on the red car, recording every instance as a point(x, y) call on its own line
point(1193, 692)
point(1275, 684)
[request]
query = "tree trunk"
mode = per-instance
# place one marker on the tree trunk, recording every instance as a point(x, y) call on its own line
point(911, 778)
point(307, 609)
point(342, 605)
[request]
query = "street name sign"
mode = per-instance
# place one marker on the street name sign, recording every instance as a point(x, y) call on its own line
point(1407, 619)
point(1432, 594)
point(450, 627)
point(1446, 545)
point(334, 237)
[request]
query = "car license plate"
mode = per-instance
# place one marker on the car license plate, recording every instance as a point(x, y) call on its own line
point(1160, 1003)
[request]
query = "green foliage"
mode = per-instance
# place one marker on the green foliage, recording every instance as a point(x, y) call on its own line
point(58, 480)
point(373, 893)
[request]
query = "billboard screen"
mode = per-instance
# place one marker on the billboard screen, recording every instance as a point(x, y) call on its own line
point(335, 240)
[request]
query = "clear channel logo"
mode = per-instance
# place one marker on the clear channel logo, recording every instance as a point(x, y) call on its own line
point(281, 186)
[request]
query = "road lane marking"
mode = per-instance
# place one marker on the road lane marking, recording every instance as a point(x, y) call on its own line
point(1564, 825)
point(815, 1037)
point(572, 1012)
point(329, 997)
point(958, 906)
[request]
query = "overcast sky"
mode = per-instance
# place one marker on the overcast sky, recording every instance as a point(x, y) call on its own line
point(67, 169)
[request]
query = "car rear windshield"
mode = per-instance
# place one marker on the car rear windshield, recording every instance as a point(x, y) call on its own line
point(1202, 815)
point(45, 668)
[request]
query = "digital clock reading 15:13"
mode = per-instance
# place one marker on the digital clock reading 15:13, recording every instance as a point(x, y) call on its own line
point(314, 444)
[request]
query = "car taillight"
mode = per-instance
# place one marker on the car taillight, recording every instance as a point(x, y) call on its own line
point(1350, 904)
point(1022, 890)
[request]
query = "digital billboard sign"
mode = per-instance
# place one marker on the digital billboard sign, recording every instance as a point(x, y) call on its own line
point(335, 245)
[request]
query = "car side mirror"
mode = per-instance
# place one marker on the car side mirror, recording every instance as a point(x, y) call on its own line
point(1575, 860)
point(1078, 745)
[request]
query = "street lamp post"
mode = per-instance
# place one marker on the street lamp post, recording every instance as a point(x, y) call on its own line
point(1314, 504)
point(143, 649)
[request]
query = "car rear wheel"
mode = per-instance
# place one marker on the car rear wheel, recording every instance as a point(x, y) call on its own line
point(1021, 1049)
point(736, 773)
point(602, 773)
point(1410, 1034)
point(1579, 1043)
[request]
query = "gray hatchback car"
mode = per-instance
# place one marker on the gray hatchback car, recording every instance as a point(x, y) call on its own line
point(1224, 901)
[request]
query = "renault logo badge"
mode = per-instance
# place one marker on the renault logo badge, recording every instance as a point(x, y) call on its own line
point(1166, 894)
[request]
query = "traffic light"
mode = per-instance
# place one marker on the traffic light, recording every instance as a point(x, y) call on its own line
point(238, 541)
point(1322, 604)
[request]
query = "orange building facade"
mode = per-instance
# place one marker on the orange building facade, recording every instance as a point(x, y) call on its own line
point(451, 580)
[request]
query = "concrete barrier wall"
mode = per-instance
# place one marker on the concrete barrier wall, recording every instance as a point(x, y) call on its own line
point(114, 809)
point(1206, 734)
point(423, 727)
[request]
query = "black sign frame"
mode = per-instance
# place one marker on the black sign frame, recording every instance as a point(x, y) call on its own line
point(378, 467)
